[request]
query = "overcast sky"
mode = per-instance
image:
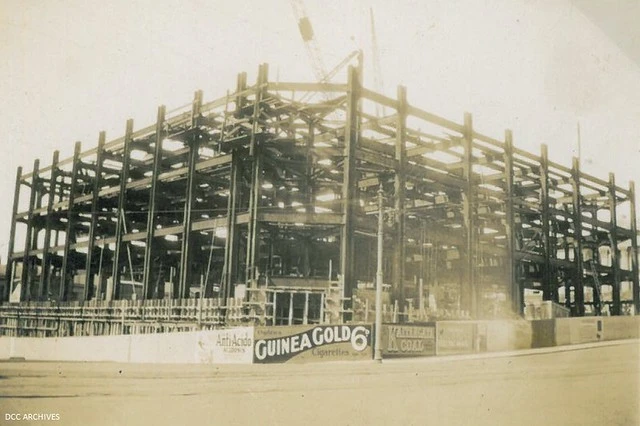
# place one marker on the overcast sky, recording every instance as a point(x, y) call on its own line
point(70, 69)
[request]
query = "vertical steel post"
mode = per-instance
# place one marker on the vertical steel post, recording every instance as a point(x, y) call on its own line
point(43, 288)
point(309, 170)
point(230, 266)
point(615, 253)
point(151, 216)
point(122, 205)
point(194, 146)
point(97, 184)
point(253, 231)
point(400, 182)
point(513, 284)
point(12, 236)
point(634, 248)
point(230, 247)
point(25, 278)
point(577, 233)
point(349, 187)
point(469, 211)
point(66, 282)
point(549, 284)
point(241, 98)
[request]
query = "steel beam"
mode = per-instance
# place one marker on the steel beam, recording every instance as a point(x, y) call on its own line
point(151, 215)
point(97, 184)
point(120, 212)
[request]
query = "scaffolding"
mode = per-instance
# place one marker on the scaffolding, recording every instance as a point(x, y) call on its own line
point(258, 190)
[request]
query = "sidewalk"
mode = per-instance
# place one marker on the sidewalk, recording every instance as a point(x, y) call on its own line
point(506, 354)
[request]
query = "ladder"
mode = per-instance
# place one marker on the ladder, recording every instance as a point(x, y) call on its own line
point(596, 286)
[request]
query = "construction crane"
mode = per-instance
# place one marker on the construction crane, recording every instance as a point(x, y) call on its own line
point(327, 78)
point(310, 42)
point(377, 72)
point(313, 51)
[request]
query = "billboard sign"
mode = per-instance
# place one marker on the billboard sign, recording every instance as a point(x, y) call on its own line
point(455, 337)
point(228, 346)
point(304, 343)
point(408, 340)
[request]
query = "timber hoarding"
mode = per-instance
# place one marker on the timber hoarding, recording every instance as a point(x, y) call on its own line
point(305, 343)
point(409, 340)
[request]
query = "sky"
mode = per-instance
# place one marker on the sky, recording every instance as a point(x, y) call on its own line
point(70, 69)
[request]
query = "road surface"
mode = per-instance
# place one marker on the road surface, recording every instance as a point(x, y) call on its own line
point(594, 386)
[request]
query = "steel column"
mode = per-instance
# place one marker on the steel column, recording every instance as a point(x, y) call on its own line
point(549, 284)
point(469, 287)
point(634, 247)
point(349, 186)
point(25, 284)
point(120, 212)
point(97, 184)
point(151, 216)
point(400, 182)
point(12, 236)
point(578, 285)
point(616, 307)
point(229, 268)
point(309, 189)
point(513, 283)
point(186, 256)
point(43, 288)
point(253, 231)
point(70, 237)
point(241, 98)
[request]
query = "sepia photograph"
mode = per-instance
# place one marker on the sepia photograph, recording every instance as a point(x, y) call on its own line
point(319, 212)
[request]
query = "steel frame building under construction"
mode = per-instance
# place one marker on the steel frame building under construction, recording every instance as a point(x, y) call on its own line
point(272, 190)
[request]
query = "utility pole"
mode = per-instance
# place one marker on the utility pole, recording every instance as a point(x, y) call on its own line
point(379, 277)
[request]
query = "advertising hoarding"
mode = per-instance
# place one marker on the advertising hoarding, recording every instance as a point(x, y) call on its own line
point(455, 337)
point(305, 343)
point(408, 340)
point(228, 346)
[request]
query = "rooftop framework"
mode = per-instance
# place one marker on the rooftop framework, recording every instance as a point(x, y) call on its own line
point(256, 187)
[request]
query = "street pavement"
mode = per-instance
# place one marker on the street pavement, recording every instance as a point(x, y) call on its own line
point(588, 385)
